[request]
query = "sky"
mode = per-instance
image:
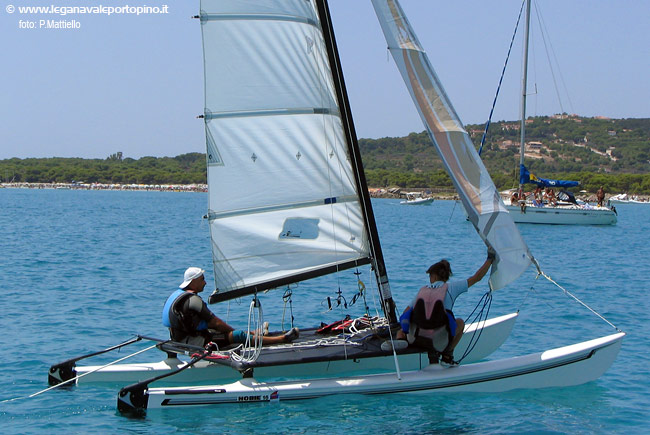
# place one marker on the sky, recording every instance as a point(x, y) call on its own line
point(134, 83)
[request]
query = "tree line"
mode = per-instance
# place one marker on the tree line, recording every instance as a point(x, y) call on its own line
point(183, 169)
point(597, 152)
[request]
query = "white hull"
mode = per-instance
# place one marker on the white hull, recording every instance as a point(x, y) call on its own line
point(563, 215)
point(419, 201)
point(566, 366)
point(628, 201)
point(495, 332)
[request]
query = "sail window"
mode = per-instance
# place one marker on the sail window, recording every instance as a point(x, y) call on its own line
point(299, 228)
point(214, 158)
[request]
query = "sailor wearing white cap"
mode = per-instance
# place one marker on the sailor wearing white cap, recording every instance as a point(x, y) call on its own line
point(190, 321)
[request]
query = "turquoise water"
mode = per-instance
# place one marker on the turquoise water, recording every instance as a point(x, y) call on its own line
point(82, 270)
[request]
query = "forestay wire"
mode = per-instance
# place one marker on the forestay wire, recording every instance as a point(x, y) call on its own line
point(494, 103)
point(568, 293)
point(484, 304)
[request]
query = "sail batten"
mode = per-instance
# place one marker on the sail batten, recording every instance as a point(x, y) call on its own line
point(272, 112)
point(263, 17)
point(475, 188)
point(315, 203)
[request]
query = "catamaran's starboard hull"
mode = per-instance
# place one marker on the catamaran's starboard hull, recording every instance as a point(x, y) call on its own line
point(566, 366)
point(562, 215)
point(494, 333)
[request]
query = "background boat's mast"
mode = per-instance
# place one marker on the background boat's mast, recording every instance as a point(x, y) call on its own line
point(524, 82)
point(355, 159)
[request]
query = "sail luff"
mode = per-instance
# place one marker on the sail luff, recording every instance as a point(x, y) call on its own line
point(377, 257)
point(469, 176)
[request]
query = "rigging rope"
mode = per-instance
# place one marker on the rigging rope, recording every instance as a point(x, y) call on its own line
point(494, 103)
point(286, 297)
point(545, 36)
point(361, 292)
point(250, 353)
point(479, 319)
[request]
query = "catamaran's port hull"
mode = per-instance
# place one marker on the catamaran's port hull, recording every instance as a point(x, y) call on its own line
point(562, 215)
point(566, 366)
point(494, 333)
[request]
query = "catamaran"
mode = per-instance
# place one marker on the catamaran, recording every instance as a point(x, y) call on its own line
point(537, 211)
point(288, 202)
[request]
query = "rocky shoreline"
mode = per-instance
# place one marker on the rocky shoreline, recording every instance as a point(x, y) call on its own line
point(392, 192)
point(112, 186)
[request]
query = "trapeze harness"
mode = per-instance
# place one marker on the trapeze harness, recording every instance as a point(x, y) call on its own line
point(431, 325)
point(182, 322)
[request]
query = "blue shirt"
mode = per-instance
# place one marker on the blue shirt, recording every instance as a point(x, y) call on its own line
point(454, 289)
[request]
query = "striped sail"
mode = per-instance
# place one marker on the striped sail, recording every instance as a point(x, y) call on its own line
point(478, 194)
point(283, 204)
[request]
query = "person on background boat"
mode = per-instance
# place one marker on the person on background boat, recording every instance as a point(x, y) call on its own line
point(190, 321)
point(550, 196)
point(600, 196)
point(537, 197)
point(440, 288)
point(514, 198)
point(522, 200)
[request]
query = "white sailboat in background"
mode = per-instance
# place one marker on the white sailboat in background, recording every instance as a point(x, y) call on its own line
point(562, 212)
point(288, 202)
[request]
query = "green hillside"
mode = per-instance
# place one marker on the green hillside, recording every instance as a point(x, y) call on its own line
point(596, 151)
point(614, 152)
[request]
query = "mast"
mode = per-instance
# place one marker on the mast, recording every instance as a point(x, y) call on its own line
point(377, 257)
point(524, 82)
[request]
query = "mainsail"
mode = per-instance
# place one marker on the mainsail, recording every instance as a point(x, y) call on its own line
point(285, 200)
point(471, 180)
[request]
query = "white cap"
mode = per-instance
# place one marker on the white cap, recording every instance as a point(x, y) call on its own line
point(191, 274)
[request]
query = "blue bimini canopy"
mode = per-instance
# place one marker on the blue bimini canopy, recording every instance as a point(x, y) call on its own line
point(526, 177)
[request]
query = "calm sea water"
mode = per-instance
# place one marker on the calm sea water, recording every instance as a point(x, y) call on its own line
point(82, 270)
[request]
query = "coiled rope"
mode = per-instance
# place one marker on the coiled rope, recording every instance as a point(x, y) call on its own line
point(252, 347)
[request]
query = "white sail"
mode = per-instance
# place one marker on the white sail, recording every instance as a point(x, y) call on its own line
point(471, 180)
point(282, 196)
